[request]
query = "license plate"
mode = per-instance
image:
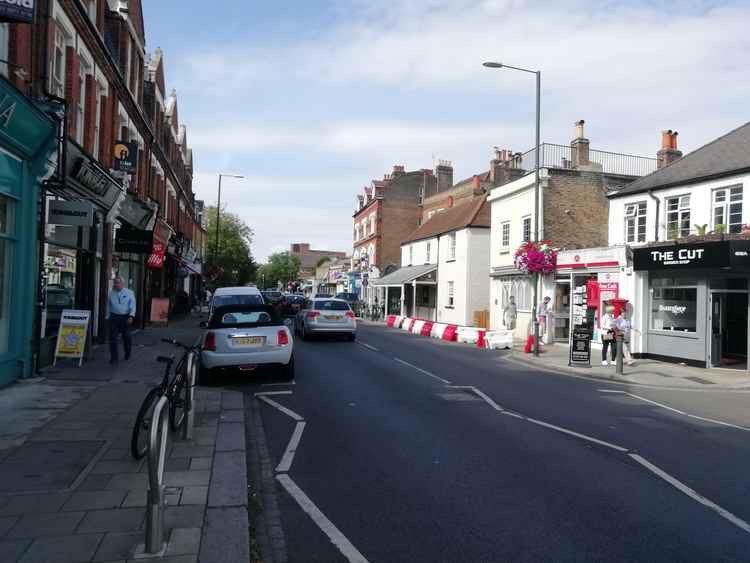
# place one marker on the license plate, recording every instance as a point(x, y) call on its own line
point(249, 340)
point(333, 317)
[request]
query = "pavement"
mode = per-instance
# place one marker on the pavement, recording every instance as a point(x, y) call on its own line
point(69, 490)
point(403, 448)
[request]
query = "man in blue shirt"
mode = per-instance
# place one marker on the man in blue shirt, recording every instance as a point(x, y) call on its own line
point(120, 312)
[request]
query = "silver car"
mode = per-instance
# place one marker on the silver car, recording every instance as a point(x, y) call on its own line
point(326, 316)
point(246, 337)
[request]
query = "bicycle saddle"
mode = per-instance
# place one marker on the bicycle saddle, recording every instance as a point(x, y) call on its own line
point(165, 359)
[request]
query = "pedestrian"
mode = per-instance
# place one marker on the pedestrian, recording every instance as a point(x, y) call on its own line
point(510, 313)
point(120, 312)
point(624, 327)
point(209, 294)
point(608, 327)
point(543, 316)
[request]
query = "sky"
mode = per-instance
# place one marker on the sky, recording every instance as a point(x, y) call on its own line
point(311, 100)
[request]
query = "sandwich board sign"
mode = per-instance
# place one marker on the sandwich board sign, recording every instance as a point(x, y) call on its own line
point(71, 338)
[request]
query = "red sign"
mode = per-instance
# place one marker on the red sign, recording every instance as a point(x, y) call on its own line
point(156, 259)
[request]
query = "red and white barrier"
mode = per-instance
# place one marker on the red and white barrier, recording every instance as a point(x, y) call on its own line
point(390, 320)
point(416, 328)
point(397, 321)
point(499, 339)
point(426, 328)
point(406, 325)
point(438, 329)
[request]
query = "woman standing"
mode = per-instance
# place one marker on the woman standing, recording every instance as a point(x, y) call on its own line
point(608, 327)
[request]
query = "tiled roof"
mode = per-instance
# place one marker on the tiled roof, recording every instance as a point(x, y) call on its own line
point(475, 213)
point(728, 154)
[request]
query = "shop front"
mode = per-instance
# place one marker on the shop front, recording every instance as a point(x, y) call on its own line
point(27, 145)
point(696, 309)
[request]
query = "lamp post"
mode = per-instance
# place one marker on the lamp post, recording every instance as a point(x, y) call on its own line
point(218, 215)
point(538, 74)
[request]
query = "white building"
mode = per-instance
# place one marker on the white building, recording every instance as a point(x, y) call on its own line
point(443, 274)
point(691, 251)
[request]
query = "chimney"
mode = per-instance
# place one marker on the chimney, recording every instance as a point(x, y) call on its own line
point(476, 183)
point(505, 167)
point(580, 146)
point(444, 173)
point(668, 152)
point(398, 170)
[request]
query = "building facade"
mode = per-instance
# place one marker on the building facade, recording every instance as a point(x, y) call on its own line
point(310, 258)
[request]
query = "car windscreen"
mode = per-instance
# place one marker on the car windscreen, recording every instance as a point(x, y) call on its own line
point(246, 316)
point(330, 306)
point(241, 299)
point(347, 296)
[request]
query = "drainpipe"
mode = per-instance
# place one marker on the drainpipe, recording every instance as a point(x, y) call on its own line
point(656, 221)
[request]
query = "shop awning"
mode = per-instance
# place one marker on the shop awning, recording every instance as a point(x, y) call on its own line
point(404, 275)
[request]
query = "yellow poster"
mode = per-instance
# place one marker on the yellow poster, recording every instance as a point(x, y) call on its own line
point(71, 342)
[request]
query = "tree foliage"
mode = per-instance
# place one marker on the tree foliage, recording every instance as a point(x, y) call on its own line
point(281, 267)
point(234, 264)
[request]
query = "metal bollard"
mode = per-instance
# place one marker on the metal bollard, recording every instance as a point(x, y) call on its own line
point(619, 344)
point(192, 369)
point(157, 454)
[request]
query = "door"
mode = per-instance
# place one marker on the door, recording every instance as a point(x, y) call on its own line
point(718, 307)
point(729, 328)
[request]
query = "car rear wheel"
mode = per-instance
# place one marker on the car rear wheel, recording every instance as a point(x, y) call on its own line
point(287, 371)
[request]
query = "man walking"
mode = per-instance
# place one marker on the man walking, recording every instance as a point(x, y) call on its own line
point(120, 312)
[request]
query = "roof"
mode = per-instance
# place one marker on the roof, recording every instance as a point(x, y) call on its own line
point(473, 214)
point(240, 290)
point(726, 155)
point(404, 274)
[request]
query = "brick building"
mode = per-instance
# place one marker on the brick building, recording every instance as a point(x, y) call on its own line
point(309, 258)
point(124, 163)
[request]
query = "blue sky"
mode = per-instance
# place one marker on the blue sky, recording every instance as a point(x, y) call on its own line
point(311, 100)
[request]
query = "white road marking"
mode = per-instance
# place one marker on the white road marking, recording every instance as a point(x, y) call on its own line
point(422, 371)
point(292, 382)
point(368, 346)
point(576, 434)
point(282, 408)
point(337, 538)
point(286, 461)
point(691, 493)
point(486, 398)
point(611, 391)
point(261, 393)
point(683, 413)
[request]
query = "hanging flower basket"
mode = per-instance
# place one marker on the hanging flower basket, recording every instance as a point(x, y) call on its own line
point(536, 258)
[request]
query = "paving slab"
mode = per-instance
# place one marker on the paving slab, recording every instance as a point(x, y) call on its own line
point(225, 536)
point(94, 500)
point(194, 495)
point(183, 516)
point(229, 483)
point(11, 550)
point(184, 541)
point(186, 478)
point(113, 520)
point(118, 545)
point(25, 504)
point(231, 436)
point(45, 525)
point(63, 549)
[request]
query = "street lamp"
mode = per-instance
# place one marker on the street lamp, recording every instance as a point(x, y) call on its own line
point(218, 215)
point(492, 64)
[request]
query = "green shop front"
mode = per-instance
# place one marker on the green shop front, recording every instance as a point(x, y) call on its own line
point(27, 147)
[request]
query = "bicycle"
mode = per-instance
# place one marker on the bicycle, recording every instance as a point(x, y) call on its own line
point(177, 392)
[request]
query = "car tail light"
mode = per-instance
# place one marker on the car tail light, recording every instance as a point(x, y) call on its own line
point(283, 338)
point(209, 343)
point(350, 314)
point(313, 314)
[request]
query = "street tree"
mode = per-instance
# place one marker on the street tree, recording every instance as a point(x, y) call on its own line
point(232, 263)
point(281, 267)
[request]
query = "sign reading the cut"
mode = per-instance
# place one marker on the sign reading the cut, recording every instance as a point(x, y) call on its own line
point(680, 256)
point(21, 11)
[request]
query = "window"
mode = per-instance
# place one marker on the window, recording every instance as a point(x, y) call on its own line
point(674, 308)
point(356, 233)
point(4, 38)
point(727, 209)
point(449, 302)
point(521, 289)
point(505, 234)
point(97, 116)
point(57, 63)
point(81, 109)
point(411, 254)
point(428, 253)
point(372, 224)
point(91, 9)
point(526, 229)
point(635, 222)
point(678, 216)
point(452, 246)
point(7, 229)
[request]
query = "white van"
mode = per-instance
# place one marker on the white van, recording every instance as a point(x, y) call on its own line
point(235, 296)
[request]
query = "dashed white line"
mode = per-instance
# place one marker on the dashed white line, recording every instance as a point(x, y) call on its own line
point(262, 393)
point(484, 396)
point(337, 538)
point(683, 488)
point(282, 408)
point(286, 461)
point(368, 346)
point(425, 372)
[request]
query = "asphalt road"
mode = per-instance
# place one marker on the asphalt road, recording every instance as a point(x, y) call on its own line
point(500, 464)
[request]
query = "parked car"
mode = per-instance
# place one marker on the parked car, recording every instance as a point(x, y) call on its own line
point(245, 337)
point(326, 316)
point(271, 296)
point(235, 296)
point(291, 305)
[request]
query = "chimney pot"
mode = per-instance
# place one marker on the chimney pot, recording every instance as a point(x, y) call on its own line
point(579, 129)
point(668, 152)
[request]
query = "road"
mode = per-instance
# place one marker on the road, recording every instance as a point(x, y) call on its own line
point(402, 448)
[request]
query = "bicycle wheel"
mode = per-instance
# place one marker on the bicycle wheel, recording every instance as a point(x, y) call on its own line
point(142, 427)
point(178, 403)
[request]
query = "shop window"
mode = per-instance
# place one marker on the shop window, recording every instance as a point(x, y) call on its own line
point(521, 289)
point(449, 301)
point(526, 229)
point(678, 216)
point(727, 209)
point(504, 235)
point(674, 308)
point(7, 229)
point(635, 222)
point(60, 268)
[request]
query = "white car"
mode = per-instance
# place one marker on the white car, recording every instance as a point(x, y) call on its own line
point(245, 338)
point(235, 296)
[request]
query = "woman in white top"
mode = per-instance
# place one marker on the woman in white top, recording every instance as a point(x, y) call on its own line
point(623, 327)
point(608, 326)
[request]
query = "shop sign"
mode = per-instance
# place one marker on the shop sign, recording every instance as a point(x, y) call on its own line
point(718, 254)
point(75, 213)
point(126, 156)
point(136, 241)
point(135, 213)
point(21, 124)
point(84, 174)
point(71, 338)
point(21, 11)
point(580, 348)
point(156, 258)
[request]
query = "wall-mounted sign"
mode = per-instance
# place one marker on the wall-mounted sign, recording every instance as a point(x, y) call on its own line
point(86, 177)
point(136, 213)
point(76, 213)
point(71, 338)
point(156, 258)
point(717, 254)
point(21, 11)
point(134, 240)
point(126, 156)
